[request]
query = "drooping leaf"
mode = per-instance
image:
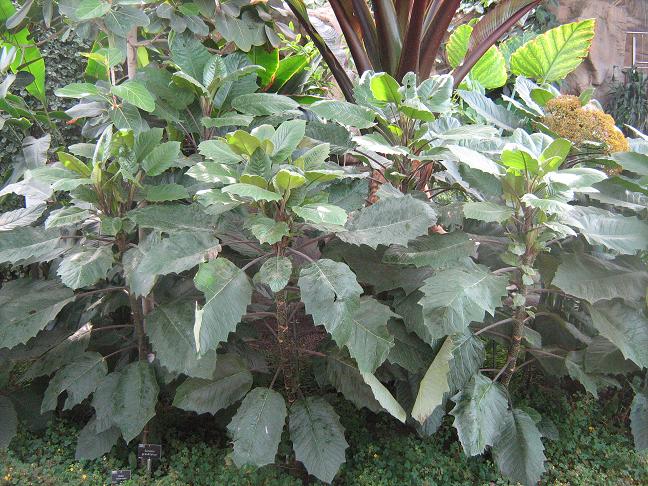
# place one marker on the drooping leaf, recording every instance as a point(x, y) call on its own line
point(165, 192)
point(161, 158)
point(20, 217)
point(286, 139)
point(172, 218)
point(79, 379)
point(638, 421)
point(85, 267)
point(553, 55)
point(624, 324)
point(454, 297)
point(389, 221)
point(432, 250)
point(180, 252)
point(593, 279)
point(344, 113)
point(486, 211)
point(28, 245)
point(326, 214)
point(170, 330)
point(408, 351)
point(490, 111)
point(480, 411)
point(136, 94)
point(9, 422)
point(317, 437)
point(263, 104)
point(227, 292)
point(275, 273)
point(230, 381)
point(434, 384)
point(256, 428)
point(134, 399)
point(92, 444)
point(22, 315)
point(253, 192)
point(267, 230)
point(384, 397)
point(519, 452)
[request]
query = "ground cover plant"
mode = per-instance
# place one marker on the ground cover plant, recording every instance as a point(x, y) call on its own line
point(227, 243)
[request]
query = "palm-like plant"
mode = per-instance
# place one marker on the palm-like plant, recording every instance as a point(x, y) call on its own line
point(401, 36)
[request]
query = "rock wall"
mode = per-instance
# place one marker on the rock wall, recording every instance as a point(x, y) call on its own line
point(610, 51)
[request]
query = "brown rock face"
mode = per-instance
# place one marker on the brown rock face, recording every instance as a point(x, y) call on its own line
point(610, 51)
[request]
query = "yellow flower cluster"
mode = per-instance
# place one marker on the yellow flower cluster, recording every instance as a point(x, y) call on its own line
point(566, 117)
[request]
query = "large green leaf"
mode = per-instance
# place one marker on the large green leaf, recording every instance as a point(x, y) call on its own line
point(490, 111)
point(623, 234)
point(172, 218)
point(331, 294)
point(161, 158)
point(134, 399)
point(480, 411)
point(638, 421)
point(626, 326)
point(455, 297)
point(275, 273)
point(102, 401)
point(28, 245)
point(487, 211)
point(263, 103)
point(467, 357)
point(344, 113)
point(267, 230)
point(633, 162)
point(389, 221)
point(27, 306)
point(170, 330)
point(593, 279)
point(253, 192)
point(85, 267)
point(20, 217)
point(519, 452)
point(322, 214)
point(317, 437)
point(384, 397)
point(230, 381)
point(256, 428)
point(179, 252)
point(286, 138)
point(553, 55)
point(432, 250)
point(92, 444)
point(136, 94)
point(79, 379)
point(434, 384)
point(409, 352)
point(228, 292)
point(9, 422)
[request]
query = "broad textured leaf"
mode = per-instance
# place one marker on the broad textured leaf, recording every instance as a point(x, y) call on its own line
point(493, 113)
point(488, 212)
point(79, 379)
point(256, 428)
point(432, 250)
point(253, 192)
point(20, 217)
point(593, 279)
point(263, 104)
point(172, 218)
point(434, 384)
point(275, 273)
point(228, 292)
point(122, 20)
point(473, 159)
point(553, 55)
point(323, 213)
point(287, 179)
point(165, 192)
point(409, 351)
point(385, 88)
point(170, 330)
point(219, 151)
point(389, 221)
point(135, 397)
point(85, 267)
point(602, 356)
point(161, 158)
point(623, 234)
point(102, 401)
point(212, 172)
point(519, 452)
point(179, 252)
point(633, 162)
point(344, 113)
point(27, 306)
point(624, 325)
point(136, 94)
point(267, 230)
point(230, 381)
point(384, 397)
point(68, 216)
point(286, 138)
point(317, 437)
point(480, 411)
point(9, 422)
point(455, 297)
point(28, 245)
point(467, 357)
point(92, 444)
point(638, 421)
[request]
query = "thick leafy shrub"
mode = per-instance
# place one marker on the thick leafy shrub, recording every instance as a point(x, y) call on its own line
point(217, 248)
